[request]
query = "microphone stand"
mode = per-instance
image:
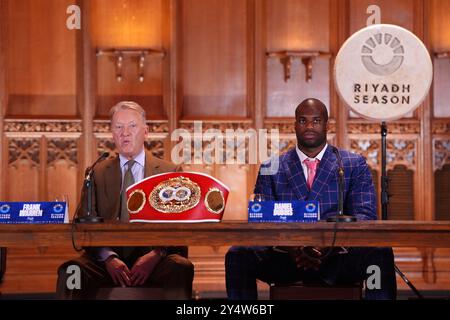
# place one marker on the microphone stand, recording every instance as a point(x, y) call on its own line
point(88, 218)
point(385, 200)
point(340, 217)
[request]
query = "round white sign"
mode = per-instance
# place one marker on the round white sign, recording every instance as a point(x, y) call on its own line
point(383, 72)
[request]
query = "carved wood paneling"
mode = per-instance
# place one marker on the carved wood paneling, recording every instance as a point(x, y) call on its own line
point(221, 125)
point(24, 149)
point(401, 152)
point(441, 153)
point(221, 141)
point(368, 148)
point(42, 126)
point(375, 128)
point(62, 149)
point(106, 145)
point(155, 127)
point(156, 147)
point(22, 171)
point(43, 161)
point(441, 127)
point(215, 68)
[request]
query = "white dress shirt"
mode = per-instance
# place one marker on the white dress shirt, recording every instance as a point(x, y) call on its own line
point(303, 157)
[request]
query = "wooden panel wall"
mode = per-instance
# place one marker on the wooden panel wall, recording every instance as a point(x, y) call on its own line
point(442, 198)
point(41, 60)
point(214, 58)
point(294, 26)
point(128, 24)
point(55, 93)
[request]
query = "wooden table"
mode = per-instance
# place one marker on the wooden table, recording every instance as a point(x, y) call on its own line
point(368, 233)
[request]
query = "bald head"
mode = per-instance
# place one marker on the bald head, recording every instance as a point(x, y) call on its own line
point(312, 104)
point(311, 126)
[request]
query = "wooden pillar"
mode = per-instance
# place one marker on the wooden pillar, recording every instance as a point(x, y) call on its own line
point(86, 85)
point(339, 31)
point(171, 67)
point(424, 191)
point(3, 94)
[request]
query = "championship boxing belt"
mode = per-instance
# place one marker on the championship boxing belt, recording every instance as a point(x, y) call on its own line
point(177, 197)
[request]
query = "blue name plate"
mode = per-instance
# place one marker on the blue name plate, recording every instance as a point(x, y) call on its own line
point(33, 212)
point(283, 211)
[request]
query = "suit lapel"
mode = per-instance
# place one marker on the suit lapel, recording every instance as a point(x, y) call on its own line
point(295, 175)
point(151, 166)
point(324, 173)
point(113, 181)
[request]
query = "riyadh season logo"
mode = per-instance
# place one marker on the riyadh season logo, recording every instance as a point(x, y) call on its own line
point(382, 54)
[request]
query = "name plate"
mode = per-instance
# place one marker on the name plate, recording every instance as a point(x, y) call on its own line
point(33, 212)
point(283, 211)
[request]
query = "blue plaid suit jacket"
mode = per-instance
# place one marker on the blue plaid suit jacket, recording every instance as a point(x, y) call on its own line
point(289, 183)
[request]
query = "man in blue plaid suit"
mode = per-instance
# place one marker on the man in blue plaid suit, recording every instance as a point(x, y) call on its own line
point(295, 180)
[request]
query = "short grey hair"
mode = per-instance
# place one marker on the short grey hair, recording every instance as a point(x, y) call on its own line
point(127, 105)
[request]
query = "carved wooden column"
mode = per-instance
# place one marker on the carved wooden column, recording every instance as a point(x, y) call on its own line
point(424, 197)
point(339, 31)
point(3, 92)
point(86, 84)
point(171, 66)
point(257, 32)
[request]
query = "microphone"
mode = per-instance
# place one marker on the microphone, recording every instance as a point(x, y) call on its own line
point(340, 217)
point(88, 185)
point(90, 170)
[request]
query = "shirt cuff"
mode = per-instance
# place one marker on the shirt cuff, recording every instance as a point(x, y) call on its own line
point(105, 253)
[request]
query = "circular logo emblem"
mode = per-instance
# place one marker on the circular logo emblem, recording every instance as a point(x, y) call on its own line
point(136, 201)
point(169, 193)
point(382, 54)
point(175, 195)
point(4, 208)
point(58, 208)
point(214, 201)
point(383, 72)
point(256, 207)
point(310, 207)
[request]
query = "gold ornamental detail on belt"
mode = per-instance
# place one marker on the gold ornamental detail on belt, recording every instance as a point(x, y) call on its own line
point(175, 195)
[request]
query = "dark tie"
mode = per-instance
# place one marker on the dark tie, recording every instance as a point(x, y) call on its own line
point(128, 180)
